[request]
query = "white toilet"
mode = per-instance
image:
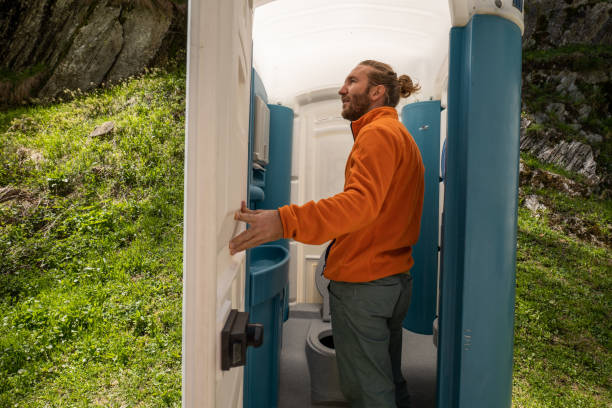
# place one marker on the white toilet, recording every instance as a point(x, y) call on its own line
point(320, 352)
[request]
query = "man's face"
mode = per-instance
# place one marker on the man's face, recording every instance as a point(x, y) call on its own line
point(355, 93)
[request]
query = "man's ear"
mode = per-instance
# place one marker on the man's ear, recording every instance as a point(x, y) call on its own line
point(377, 92)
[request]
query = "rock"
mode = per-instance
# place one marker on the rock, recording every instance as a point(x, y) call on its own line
point(526, 120)
point(144, 30)
point(557, 109)
point(103, 129)
point(535, 141)
point(567, 82)
point(573, 156)
point(583, 112)
point(532, 204)
point(541, 117)
point(554, 23)
point(591, 137)
point(91, 54)
point(54, 45)
point(549, 147)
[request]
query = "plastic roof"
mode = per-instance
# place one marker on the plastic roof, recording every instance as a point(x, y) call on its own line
point(304, 46)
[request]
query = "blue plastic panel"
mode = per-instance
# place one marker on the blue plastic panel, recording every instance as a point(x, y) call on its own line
point(479, 254)
point(268, 265)
point(262, 367)
point(278, 171)
point(422, 119)
point(269, 272)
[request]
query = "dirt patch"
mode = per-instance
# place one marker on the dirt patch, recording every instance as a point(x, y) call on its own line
point(10, 193)
point(583, 229)
point(541, 179)
point(30, 155)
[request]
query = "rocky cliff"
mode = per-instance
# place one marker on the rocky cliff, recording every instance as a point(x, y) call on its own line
point(567, 55)
point(48, 46)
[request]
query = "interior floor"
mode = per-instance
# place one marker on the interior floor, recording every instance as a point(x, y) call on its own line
point(418, 362)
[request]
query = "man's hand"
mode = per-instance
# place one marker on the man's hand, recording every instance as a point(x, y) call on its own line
point(266, 226)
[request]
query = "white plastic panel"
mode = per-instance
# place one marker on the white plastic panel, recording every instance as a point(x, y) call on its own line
point(301, 46)
point(216, 157)
point(322, 143)
point(463, 10)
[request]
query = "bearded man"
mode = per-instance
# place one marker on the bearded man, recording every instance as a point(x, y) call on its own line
point(373, 222)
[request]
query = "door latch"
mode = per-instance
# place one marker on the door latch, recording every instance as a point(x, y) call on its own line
point(236, 336)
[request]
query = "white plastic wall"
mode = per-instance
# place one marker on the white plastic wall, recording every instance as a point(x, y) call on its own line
point(322, 142)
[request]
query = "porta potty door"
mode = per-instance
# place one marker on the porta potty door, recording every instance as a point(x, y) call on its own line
point(480, 206)
point(216, 150)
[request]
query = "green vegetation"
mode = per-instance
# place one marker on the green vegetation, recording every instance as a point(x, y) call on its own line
point(90, 248)
point(90, 262)
point(563, 343)
point(573, 57)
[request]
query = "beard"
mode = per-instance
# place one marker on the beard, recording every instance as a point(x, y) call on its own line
point(358, 105)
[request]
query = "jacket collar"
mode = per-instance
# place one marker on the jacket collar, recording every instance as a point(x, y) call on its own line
point(370, 116)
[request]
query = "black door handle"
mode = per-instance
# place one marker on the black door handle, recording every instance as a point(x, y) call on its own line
point(236, 336)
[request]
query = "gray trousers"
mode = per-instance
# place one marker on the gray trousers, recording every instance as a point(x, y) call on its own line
point(367, 329)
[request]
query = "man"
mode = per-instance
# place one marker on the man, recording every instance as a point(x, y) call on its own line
point(374, 223)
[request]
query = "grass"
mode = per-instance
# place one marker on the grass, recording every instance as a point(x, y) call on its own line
point(90, 262)
point(91, 250)
point(563, 343)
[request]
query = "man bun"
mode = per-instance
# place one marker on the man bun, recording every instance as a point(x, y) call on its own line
point(407, 87)
point(383, 74)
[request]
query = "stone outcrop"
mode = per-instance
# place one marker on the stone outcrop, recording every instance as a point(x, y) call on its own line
point(555, 23)
point(549, 147)
point(567, 54)
point(52, 45)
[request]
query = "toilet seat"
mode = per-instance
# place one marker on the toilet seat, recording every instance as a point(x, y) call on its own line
point(315, 333)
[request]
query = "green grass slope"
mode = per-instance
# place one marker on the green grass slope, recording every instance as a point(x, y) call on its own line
point(563, 343)
point(90, 262)
point(91, 248)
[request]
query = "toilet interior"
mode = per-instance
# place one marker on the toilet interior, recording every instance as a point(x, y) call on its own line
point(303, 51)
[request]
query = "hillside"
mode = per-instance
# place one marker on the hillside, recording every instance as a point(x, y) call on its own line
point(91, 248)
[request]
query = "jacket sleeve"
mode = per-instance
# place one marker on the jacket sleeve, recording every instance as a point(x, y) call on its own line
point(371, 167)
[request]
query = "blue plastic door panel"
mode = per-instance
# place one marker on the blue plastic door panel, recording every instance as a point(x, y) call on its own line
point(422, 119)
point(268, 265)
point(480, 205)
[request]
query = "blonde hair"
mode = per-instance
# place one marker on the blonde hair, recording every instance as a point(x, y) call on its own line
point(383, 74)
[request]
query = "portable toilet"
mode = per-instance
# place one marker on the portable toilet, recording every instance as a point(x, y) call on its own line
point(476, 74)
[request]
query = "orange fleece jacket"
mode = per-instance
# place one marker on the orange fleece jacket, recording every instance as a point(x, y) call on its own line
point(376, 219)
